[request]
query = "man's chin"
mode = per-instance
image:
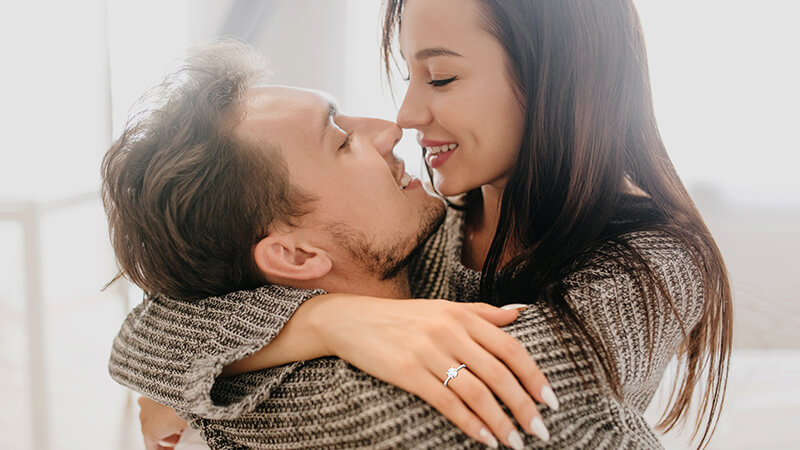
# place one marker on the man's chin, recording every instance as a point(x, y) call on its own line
point(432, 217)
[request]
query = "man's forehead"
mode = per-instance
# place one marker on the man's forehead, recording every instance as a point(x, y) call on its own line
point(282, 109)
point(282, 99)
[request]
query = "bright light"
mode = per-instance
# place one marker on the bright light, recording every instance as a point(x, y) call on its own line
point(725, 84)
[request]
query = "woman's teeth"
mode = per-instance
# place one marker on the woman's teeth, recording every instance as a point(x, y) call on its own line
point(405, 180)
point(441, 148)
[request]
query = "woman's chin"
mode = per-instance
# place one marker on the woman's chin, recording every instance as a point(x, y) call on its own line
point(444, 188)
point(449, 188)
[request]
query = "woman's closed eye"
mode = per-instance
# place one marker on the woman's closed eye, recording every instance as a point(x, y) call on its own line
point(442, 82)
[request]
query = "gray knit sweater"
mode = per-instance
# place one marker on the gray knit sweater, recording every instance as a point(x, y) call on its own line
point(173, 352)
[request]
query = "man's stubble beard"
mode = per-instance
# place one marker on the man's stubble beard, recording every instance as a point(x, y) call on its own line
point(388, 261)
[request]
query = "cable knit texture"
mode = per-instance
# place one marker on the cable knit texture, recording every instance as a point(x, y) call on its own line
point(173, 352)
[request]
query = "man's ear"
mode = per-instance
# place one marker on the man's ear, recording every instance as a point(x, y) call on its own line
point(282, 256)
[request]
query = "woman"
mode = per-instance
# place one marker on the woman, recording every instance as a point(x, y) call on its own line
point(540, 113)
point(554, 142)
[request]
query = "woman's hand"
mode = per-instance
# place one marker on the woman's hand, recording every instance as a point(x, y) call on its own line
point(412, 343)
point(161, 426)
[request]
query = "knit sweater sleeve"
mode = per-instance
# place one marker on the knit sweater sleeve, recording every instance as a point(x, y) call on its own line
point(635, 320)
point(174, 351)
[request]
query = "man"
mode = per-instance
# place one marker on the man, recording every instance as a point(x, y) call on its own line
point(227, 186)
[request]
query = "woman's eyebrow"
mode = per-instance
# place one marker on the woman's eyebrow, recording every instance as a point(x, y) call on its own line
point(430, 52)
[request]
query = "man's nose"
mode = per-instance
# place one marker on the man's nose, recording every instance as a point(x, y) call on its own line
point(386, 135)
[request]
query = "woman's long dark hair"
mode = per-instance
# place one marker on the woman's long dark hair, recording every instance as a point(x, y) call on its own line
point(580, 69)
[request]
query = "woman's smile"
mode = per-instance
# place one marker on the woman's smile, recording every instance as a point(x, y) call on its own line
point(436, 152)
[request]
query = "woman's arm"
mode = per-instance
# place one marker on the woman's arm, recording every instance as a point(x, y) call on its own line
point(407, 343)
point(410, 344)
point(329, 403)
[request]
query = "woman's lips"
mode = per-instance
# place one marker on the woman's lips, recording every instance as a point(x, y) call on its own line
point(436, 152)
point(437, 160)
point(431, 142)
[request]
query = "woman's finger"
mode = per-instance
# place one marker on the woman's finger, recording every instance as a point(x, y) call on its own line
point(472, 392)
point(500, 381)
point(514, 355)
point(496, 316)
point(479, 398)
point(431, 390)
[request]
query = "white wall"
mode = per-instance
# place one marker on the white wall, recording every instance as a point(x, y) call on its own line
point(53, 120)
point(725, 83)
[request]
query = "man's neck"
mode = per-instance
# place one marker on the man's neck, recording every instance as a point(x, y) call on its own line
point(364, 284)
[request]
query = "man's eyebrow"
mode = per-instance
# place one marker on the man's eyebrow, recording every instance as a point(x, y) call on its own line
point(430, 52)
point(326, 121)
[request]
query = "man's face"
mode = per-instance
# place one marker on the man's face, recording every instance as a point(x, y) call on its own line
point(362, 213)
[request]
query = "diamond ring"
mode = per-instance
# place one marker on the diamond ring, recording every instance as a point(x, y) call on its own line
point(453, 372)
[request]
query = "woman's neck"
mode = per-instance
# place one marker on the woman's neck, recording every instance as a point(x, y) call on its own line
point(480, 227)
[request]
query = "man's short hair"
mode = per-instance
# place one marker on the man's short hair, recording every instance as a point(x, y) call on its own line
point(186, 199)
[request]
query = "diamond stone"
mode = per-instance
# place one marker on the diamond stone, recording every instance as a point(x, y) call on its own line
point(452, 372)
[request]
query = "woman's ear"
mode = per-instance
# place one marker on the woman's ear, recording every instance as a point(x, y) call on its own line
point(282, 256)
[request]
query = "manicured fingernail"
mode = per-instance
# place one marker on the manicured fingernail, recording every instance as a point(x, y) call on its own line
point(515, 440)
point(488, 438)
point(514, 306)
point(550, 398)
point(538, 428)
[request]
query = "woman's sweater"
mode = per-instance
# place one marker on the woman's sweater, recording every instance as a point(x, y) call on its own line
point(174, 352)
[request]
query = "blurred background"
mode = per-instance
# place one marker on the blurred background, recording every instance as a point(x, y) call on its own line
point(725, 80)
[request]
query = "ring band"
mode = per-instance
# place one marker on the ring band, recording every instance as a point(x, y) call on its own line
point(453, 372)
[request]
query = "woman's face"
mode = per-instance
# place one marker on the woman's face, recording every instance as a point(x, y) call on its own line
point(460, 96)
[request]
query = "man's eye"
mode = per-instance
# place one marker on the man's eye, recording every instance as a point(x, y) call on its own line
point(443, 82)
point(346, 142)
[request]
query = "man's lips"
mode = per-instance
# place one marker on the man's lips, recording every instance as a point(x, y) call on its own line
point(399, 169)
point(403, 179)
point(413, 183)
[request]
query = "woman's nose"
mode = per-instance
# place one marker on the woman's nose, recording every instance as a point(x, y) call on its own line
point(414, 112)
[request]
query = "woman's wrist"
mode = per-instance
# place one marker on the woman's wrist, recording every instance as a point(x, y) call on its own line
point(327, 318)
point(317, 318)
point(303, 337)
